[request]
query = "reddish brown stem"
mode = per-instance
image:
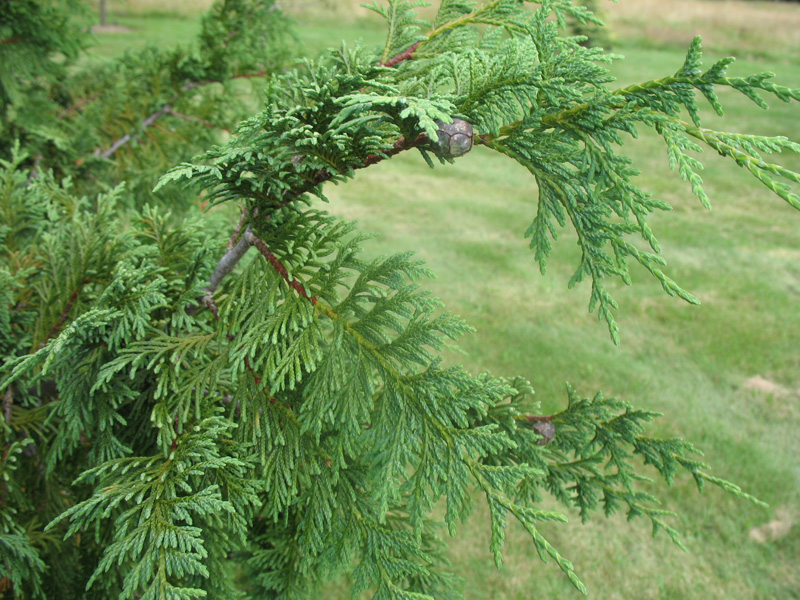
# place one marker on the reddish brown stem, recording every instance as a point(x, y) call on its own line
point(174, 445)
point(538, 419)
point(10, 40)
point(276, 264)
point(252, 371)
point(406, 54)
point(398, 146)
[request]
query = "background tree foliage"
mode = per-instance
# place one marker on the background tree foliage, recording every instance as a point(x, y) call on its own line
point(192, 430)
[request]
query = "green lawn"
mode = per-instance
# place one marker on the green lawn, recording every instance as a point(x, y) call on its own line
point(696, 364)
point(139, 31)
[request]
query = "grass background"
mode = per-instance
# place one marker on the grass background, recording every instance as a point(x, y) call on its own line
point(726, 374)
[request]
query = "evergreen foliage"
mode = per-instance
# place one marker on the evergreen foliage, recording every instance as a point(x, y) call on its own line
point(253, 425)
point(130, 119)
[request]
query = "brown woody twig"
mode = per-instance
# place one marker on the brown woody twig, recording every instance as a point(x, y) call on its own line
point(254, 240)
point(323, 175)
point(225, 265)
point(237, 230)
point(406, 54)
point(167, 109)
point(538, 419)
point(108, 153)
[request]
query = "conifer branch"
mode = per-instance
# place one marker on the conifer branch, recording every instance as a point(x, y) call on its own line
point(235, 252)
point(469, 18)
point(337, 344)
point(148, 122)
point(167, 109)
point(476, 16)
point(232, 257)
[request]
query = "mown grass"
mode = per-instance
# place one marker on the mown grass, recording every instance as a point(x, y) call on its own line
point(696, 364)
point(131, 32)
point(739, 28)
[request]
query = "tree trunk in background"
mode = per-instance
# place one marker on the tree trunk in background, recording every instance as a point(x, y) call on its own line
point(103, 13)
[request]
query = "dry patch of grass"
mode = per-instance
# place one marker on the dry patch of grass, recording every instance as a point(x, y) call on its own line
point(348, 9)
point(744, 28)
point(765, 386)
point(184, 8)
point(776, 529)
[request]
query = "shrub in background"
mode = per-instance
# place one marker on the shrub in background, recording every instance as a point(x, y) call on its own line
point(132, 118)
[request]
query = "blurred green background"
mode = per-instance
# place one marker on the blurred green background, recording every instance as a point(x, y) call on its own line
point(726, 374)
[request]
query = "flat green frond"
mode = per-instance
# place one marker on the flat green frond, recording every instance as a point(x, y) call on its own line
point(402, 22)
point(159, 505)
point(743, 149)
